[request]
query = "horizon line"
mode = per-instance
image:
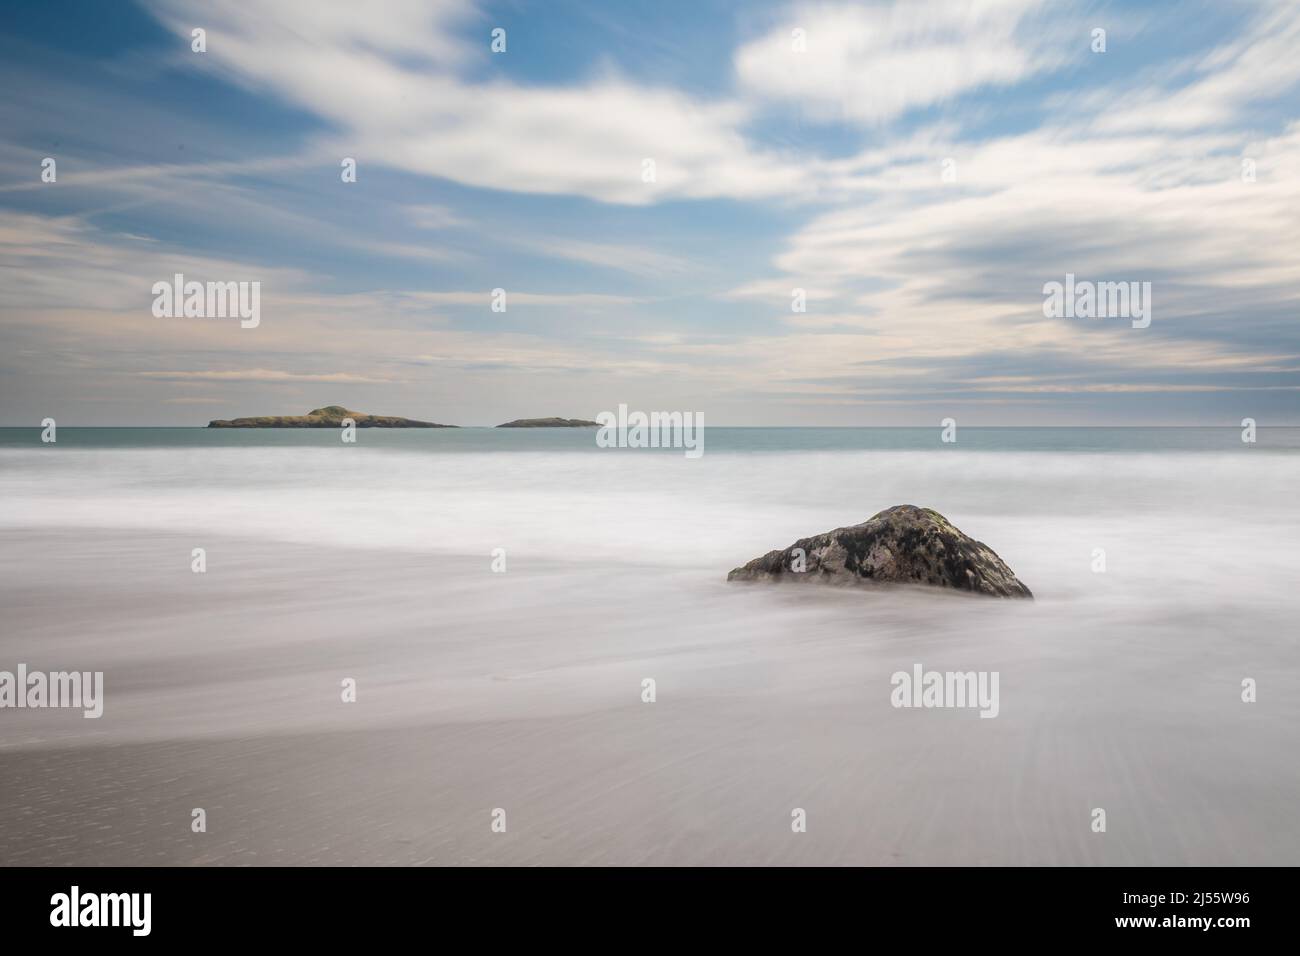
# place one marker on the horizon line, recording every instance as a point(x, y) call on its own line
point(579, 428)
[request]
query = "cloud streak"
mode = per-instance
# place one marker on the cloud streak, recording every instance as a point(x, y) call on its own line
point(919, 171)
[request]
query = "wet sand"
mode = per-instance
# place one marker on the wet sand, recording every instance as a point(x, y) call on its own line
point(522, 691)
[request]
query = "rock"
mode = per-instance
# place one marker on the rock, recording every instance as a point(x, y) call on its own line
point(900, 545)
point(549, 423)
point(331, 416)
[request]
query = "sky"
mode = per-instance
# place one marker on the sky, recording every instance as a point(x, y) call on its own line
point(656, 187)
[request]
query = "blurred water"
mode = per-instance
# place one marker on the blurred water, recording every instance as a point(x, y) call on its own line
point(1119, 689)
point(1174, 524)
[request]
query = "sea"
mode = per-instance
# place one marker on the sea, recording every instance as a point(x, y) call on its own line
point(498, 576)
point(1173, 508)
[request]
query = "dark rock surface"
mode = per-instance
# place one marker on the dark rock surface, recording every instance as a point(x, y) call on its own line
point(900, 545)
point(331, 416)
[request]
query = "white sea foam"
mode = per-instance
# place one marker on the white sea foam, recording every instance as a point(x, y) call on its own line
point(1172, 524)
point(1118, 689)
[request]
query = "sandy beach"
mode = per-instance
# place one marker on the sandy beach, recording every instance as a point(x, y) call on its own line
point(522, 691)
point(441, 433)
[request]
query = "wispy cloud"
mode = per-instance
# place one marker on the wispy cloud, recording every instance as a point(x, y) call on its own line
point(266, 375)
point(874, 62)
point(918, 170)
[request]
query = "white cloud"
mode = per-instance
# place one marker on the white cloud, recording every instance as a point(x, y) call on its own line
point(265, 375)
point(906, 277)
point(434, 217)
point(64, 262)
point(387, 79)
point(634, 260)
point(484, 298)
point(937, 272)
point(874, 62)
point(1211, 89)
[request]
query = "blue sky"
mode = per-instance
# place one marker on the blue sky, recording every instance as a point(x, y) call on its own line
point(795, 146)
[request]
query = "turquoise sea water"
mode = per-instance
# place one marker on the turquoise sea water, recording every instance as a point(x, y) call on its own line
point(716, 439)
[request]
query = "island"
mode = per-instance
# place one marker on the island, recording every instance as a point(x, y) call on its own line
point(549, 423)
point(331, 416)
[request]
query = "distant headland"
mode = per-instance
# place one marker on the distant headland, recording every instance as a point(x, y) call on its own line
point(549, 423)
point(331, 416)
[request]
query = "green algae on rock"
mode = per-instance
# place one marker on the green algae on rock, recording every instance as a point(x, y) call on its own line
point(900, 545)
point(331, 416)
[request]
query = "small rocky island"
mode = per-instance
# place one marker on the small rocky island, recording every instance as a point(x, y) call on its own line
point(549, 423)
point(900, 545)
point(331, 416)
